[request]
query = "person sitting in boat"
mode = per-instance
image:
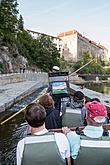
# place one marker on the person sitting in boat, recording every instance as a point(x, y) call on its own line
point(95, 99)
point(91, 145)
point(53, 119)
point(98, 100)
point(57, 99)
point(74, 114)
point(41, 147)
point(77, 100)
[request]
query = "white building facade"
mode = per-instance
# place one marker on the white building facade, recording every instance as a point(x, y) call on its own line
point(74, 45)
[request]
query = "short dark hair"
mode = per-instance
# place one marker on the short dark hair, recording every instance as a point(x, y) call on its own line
point(35, 115)
point(78, 95)
point(95, 99)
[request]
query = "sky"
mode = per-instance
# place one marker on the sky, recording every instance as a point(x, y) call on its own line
point(89, 17)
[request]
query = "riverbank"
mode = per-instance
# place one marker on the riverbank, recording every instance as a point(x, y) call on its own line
point(81, 82)
point(13, 92)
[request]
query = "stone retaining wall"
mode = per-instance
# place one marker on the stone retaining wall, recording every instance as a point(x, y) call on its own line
point(11, 92)
point(17, 77)
point(10, 78)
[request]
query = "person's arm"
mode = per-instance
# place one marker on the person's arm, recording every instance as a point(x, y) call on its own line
point(19, 153)
point(83, 113)
point(68, 161)
point(63, 146)
point(74, 141)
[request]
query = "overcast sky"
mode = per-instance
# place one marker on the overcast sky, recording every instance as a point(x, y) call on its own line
point(89, 17)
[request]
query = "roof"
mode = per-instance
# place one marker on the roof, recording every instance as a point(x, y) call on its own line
point(73, 32)
point(34, 32)
point(67, 33)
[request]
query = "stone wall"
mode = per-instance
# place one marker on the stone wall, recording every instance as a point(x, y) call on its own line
point(10, 59)
point(17, 77)
point(84, 44)
point(74, 44)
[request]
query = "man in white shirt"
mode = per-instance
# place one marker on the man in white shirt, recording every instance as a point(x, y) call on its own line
point(41, 147)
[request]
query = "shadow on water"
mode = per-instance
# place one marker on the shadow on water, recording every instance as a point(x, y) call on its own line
point(12, 131)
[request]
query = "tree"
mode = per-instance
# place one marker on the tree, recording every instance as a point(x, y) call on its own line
point(47, 53)
point(64, 65)
point(92, 67)
point(8, 20)
point(24, 44)
point(40, 52)
point(20, 23)
point(86, 57)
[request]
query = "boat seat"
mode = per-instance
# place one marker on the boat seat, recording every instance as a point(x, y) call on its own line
point(94, 152)
point(72, 117)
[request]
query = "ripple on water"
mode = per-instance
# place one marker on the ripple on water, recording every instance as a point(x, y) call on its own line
point(13, 131)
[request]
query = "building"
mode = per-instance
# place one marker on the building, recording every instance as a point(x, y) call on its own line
point(74, 44)
point(55, 40)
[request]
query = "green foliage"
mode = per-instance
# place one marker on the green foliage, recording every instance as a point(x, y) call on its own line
point(8, 20)
point(40, 52)
point(20, 23)
point(64, 65)
point(47, 53)
point(102, 63)
point(92, 67)
point(24, 41)
point(107, 70)
point(86, 57)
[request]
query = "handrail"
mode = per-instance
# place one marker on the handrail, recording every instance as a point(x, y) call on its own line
point(106, 126)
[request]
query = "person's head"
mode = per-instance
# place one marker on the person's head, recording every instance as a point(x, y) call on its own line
point(35, 115)
point(78, 96)
point(46, 101)
point(95, 99)
point(96, 113)
point(55, 69)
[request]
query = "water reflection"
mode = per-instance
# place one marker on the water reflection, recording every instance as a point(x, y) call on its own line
point(99, 87)
point(10, 134)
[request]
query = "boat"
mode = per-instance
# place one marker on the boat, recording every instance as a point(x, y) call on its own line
point(92, 151)
point(61, 87)
point(66, 99)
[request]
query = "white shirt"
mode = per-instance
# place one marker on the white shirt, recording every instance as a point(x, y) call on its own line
point(61, 142)
point(93, 131)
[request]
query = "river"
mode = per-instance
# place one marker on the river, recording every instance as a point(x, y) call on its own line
point(14, 130)
point(10, 133)
point(99, 87)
